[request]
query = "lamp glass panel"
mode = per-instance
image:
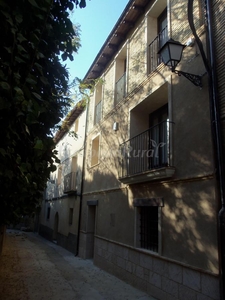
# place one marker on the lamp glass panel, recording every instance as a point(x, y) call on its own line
point(176, 51)
point(165, 55)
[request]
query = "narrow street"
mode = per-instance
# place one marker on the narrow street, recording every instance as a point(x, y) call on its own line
point(32, 268)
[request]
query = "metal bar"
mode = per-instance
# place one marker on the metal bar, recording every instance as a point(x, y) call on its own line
point(195, 79)
point(153, 48)
point(147, 150)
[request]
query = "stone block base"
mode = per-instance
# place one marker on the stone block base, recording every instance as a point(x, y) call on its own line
point(157, 276)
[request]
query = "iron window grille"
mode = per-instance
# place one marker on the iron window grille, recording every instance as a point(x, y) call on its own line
point(149, 228)
point(154, 46)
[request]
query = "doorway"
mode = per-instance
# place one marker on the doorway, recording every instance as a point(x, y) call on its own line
point(56, 227)
point(158, 137)
point(91, 231)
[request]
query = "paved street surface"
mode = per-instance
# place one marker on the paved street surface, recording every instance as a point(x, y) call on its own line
point(32, 268)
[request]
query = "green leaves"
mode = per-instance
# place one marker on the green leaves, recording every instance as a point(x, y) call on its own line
point(2, 152)
point(33, 96)
point(37, 96)
point(34, 3)
point(18, 90)
point(4, 85)
point(39, 145)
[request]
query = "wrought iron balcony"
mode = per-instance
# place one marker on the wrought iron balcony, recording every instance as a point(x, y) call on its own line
point(70, 183)
point(148, 154)
point(120, 92)
point(98, 112)
point(154, 58)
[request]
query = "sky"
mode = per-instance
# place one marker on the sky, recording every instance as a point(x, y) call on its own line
point(96, 21)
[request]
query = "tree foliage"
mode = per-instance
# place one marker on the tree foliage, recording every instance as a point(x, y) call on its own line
point(33, 96)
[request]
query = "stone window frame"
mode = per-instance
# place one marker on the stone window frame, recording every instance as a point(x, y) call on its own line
point(139, 203)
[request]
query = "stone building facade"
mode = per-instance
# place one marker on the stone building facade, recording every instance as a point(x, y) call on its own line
point(147, 199)
point(60, 211)
point(150, 198)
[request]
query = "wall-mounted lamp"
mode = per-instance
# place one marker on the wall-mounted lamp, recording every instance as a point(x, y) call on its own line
point(171, 53)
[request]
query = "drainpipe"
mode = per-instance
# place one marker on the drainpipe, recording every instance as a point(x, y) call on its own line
point(210, 65)
point(82, 181)
point(219, 149)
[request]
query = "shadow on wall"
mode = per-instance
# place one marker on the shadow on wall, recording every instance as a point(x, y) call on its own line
point(188, 221)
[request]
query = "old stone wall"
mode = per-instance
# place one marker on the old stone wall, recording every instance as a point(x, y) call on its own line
point(159, 277)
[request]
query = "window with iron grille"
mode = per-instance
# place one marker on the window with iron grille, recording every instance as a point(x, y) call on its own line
point(149, 228)
point(156, 39)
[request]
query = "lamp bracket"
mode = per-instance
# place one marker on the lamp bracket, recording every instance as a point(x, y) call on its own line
point(195, 79)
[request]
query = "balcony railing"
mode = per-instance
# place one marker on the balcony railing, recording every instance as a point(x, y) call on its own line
point(70, 183)
point(98, 112)
point(154, 46)
point(120, 89)
point(146, 151)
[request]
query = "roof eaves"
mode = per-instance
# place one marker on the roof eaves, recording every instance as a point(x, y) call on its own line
point(70, 118)
point(120, 20)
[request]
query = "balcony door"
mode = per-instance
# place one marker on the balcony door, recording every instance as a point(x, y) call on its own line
point(120, 75)
point(156, 43)
point(162, 28)
point(158, 138)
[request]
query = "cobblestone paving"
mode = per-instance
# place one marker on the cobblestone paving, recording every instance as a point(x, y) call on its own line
point(32, 268)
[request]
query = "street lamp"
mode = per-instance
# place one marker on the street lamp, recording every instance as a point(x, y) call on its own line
point(171, 53)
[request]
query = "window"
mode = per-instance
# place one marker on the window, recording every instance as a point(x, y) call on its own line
point(149, 148)
point(71, 216)
point(158, 136)
point(157, 36)
point(149, 238)
point(95, 151)
point(59, 177)
point(162, 28)
point(74, 164)
point(48, 212)
point(76, 125)
point(98, 103)
point(120, 75)
point(148, 223)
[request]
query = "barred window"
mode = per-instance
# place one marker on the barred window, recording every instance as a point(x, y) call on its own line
point(149, 228)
